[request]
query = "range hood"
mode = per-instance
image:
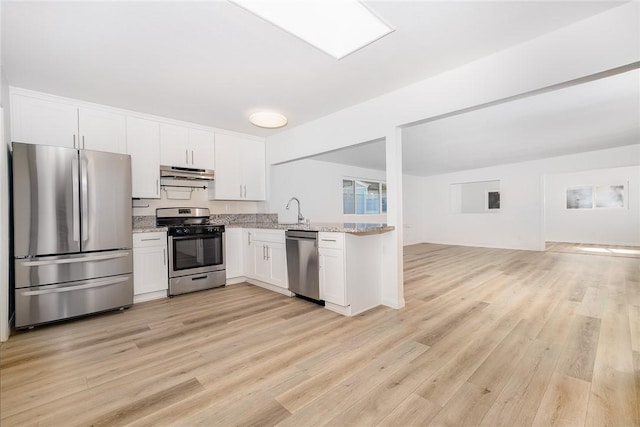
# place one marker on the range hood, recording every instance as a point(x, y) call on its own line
point(176, 172)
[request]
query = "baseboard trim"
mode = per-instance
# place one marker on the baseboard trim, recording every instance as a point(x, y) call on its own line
point(270, 287)
point(149, 296)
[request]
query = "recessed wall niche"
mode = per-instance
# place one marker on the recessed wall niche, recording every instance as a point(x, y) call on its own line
point(475, 197)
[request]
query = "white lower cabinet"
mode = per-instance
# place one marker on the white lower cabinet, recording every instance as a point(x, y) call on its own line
point(331, 260)
point(234, 261)
point(265, 256)
point(150, 274)
point(350, 272)
point(333, 286)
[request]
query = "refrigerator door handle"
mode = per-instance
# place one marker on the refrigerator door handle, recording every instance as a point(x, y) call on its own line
point(75, 214)
point(75, 288)
point(74, 260)
point(85, 202)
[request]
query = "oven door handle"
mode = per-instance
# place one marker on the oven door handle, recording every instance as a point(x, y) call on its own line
point(197, 236)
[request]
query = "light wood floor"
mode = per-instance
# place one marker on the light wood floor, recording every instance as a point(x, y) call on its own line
point(488, 336)
point(593, 249)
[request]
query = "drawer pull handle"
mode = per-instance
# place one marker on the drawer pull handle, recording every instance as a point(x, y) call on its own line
point(149, 239)
point(329, 240)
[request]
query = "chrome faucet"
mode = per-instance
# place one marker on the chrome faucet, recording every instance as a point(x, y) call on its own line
point(300, 217)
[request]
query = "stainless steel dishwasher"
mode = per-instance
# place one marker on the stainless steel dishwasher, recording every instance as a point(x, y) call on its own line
point(302, 263)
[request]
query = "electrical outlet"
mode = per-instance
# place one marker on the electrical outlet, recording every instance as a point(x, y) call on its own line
point(227, 207)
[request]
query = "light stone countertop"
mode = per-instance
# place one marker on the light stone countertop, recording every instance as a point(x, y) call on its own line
point(148, 229)
point(347, 227)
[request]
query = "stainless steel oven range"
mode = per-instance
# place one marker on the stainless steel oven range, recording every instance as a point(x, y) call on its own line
point(196, 249)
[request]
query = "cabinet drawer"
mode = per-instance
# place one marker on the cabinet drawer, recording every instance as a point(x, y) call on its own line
point(141, 240)
point(273, 236)
point(331, 240)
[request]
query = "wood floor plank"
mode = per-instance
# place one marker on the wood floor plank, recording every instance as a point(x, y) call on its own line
point(613, 398)
point(519, 400)
point(413, 411)
point(446, 381)
point(353, 388)
point(564, 403)
point(466, 407)
point(579, 355)
point(634, 324)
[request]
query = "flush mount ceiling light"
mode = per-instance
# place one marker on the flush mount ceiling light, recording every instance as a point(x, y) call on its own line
point(268, 119)
point(335, 27)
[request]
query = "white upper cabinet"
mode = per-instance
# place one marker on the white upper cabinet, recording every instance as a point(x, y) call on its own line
point(202, 149)
point(174, 145)
point(102, 130)
point(253, 169)
point(39, 121)
point(240, 169)
point(143, 145)
point(186, 147)
point(227, 185)
point(238, 162)
point(43, 121)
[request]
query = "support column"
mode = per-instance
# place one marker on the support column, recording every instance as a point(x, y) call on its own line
point(392, 276)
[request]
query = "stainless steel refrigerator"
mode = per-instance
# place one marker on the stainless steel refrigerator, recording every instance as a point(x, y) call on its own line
point(72, 232)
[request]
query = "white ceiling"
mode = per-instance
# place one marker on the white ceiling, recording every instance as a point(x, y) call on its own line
point(592, 116)
point(213, 63)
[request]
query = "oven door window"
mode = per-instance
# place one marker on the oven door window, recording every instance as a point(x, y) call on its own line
point(195, 252)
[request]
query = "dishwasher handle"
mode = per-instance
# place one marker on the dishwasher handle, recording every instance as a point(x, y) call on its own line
point(302, 235)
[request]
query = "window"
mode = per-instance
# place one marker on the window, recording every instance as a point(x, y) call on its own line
point(361, 197)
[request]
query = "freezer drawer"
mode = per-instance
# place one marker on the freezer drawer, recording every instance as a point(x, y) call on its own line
point(44, 304)
point(39, 271)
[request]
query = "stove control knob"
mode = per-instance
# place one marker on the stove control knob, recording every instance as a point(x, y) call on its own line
point(185, 230)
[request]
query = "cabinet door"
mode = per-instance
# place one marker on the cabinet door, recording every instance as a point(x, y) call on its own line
point(263, 266)
point(149, 269)
point(277, 258)
point(143, 145)
point(332, 276)
point(174, 145)
point(253, 170)
point(102, 131)
point(227, 185)
point(37, 121)
point(202, 149)
point(233, 252)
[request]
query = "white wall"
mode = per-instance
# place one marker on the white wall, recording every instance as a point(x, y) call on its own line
point(603, 226)
point(414, 204)
point(4, 209)
point(318, 186)
point(520, 222)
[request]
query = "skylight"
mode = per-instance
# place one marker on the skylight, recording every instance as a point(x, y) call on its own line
point(337, 27)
